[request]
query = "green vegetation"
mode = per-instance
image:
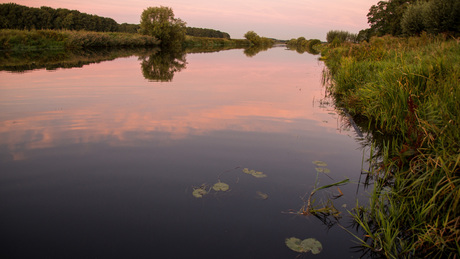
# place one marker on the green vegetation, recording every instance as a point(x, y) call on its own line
point(29, 29)
point(302, 45)
point(206, 33)
point(411, 17)
point(51, 39)
point(258, 41)
point(304, 246)
point(159, 22)
point(337, 37)
point(214, 43)
point(19, 17)
point(409, 90)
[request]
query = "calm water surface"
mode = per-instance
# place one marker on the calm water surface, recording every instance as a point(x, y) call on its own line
point(99, 162)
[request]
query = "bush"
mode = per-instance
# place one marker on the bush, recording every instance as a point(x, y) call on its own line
point(341, 36)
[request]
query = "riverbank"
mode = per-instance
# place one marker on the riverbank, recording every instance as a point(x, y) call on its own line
point(24, 40)
point(215, 43)
point(408, 90)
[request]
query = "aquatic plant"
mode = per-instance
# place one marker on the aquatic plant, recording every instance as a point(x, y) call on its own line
point(304, 246)
point(220, 186)
point(254, 173)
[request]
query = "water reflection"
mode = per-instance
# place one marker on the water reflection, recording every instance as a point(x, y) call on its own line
point(112, 161)
point(160, 66)
point(20, 61)
point(254, 50)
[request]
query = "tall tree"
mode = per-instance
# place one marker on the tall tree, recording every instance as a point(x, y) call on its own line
point(385, 17)
point(160, 23)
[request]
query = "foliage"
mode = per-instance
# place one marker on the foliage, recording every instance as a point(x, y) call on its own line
point(302, 45)
point(207, 44)
point(160, 23)
point(409, 90)
point(254, 173)
point(160, 66)
point(256, 40)
point(14, 16)
point(220, 186)
point(51, 59)
point(52, 39)
point(304, 246)
point(340, 36)
point(207, 33)
point(385, 17)
point(411, 17)
point(432, 16)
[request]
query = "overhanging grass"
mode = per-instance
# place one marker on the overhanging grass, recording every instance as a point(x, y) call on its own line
point(407, 88)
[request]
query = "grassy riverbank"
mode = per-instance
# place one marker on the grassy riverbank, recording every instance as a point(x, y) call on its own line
point(214, 43)
point(22, 40)
point(408, 89)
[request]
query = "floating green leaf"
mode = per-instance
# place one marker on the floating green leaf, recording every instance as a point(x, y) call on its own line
point(304, 246)
point(220, 186)
point(199, 192)
point(311, 244)
point(319, 163)
point(294, 244)
point(322, 170)
point(262, 195)
point(254, 173)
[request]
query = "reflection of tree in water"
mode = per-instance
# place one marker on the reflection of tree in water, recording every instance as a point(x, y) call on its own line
point(161, 65)
point(254, 50)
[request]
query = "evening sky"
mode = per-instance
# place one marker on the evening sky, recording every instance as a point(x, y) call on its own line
point(280, 19)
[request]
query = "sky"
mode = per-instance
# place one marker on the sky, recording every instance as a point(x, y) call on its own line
point(280, 19)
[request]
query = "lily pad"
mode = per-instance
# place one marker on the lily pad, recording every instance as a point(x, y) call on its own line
point(220, 186)
point(322, 170)
point(199, 192)
point(304, 246)
point(294, 244)
point(262, 195)
point(254, 173)
point(311, 244)
point(319, 163)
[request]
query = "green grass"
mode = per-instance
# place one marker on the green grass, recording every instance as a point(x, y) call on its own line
point(408, 89)
point(21, 40)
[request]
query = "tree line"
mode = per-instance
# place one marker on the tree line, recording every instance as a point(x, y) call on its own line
point(14, 16)
point(19, 17)
point(412, 17)
point(208, 33)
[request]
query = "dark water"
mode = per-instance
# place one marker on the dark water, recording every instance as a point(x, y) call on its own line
point(100, 162)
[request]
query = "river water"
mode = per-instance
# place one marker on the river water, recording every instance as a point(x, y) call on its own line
point(101, 160)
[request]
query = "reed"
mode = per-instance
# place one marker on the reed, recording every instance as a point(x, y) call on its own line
point(409, 90)
point(22, 40)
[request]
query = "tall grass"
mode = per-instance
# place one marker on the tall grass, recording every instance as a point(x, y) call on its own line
point(53, 39)
point(409, 89)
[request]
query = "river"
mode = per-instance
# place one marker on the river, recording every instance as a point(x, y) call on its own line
point(101, 160)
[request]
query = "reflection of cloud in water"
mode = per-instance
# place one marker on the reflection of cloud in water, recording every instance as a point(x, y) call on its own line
point(129, 127)
point(217, 92)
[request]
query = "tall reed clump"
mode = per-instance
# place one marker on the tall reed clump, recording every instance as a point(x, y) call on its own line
point(408, 89)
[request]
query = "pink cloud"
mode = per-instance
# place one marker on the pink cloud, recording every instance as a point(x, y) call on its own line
point(270, 18)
